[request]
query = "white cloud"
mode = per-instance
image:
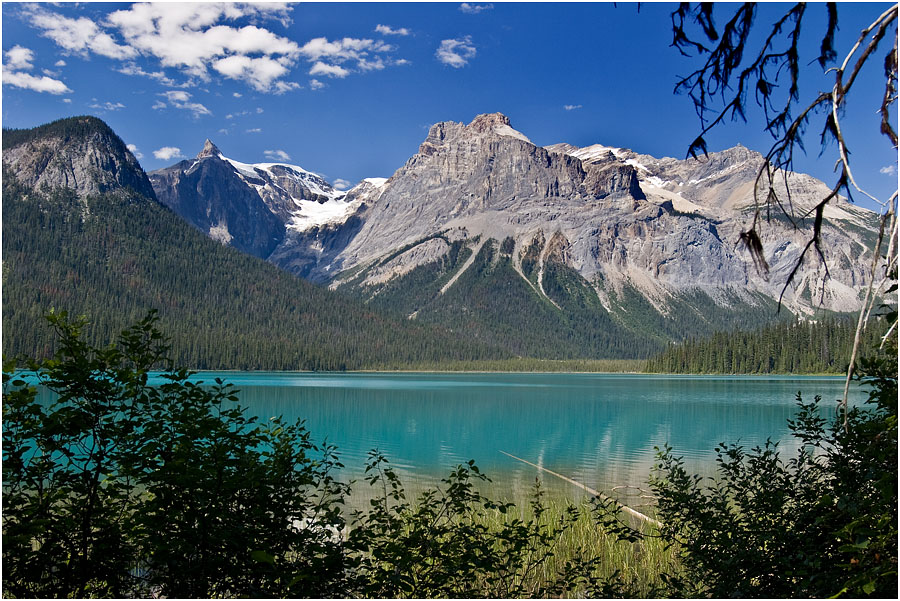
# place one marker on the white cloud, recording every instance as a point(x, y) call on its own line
point(19, 59)
point(255, 130)
point(134, 150)
point(37, 84)
point(341, 184)
point(237, 94)
point(278, 155)
point(315, 84)
point(79, 36)
point(133, 69)
point(259, 72)
point(191, 37)
point(572, 107)
point(181, 100)
point(474, 9)
point(889, 170)
point(339, 58)
point(159, 104)
point(60, 63)
point(106, 106)
point(388, 30)
point(456, 53)
point(321, 68)
point(167, 153)
point(67, 100)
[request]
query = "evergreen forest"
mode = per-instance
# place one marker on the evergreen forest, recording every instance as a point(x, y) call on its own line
point(802, 347)
point(114, 256)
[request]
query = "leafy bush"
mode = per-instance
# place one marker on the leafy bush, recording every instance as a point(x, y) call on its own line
point(116, 488)
point(822, 523)
point(450, 544)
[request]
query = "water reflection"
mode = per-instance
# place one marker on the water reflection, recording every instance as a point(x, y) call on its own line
point(601, 430)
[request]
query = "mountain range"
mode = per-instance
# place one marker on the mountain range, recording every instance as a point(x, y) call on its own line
point(84, 233)
point(599, 244)
point(494, 241)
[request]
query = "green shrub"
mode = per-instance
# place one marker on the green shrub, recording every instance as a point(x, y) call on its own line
point(822, 523)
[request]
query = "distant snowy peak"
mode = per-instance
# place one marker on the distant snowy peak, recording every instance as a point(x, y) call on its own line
point(300, 198)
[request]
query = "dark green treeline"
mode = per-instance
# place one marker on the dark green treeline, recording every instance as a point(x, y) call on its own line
point(112, 257)
point(821, 346)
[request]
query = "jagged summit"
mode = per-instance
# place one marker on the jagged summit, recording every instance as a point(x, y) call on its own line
point(209, 150)
point(488, 121)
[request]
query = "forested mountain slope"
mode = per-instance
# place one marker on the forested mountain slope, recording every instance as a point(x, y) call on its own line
point(111, 253)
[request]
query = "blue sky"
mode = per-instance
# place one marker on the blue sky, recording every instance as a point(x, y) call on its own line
point(349, 90)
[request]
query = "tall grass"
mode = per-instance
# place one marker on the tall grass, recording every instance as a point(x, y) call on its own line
point(639, 564)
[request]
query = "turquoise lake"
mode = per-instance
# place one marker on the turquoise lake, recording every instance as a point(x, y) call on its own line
point(599, 429)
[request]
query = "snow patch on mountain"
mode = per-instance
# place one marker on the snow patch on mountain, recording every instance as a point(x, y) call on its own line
point(311, 214)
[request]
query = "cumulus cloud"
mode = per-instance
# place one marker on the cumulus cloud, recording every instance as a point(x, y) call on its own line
point(237, 94)
point(320, 68)
point(60, 63)
point(889, 170)
point(474, 9)
point(339, 58)
point(277, 155)
point(255, 130)
point(340, 184)
point(134, 150)
point(167, 153)
point(315, 84)
point(79, 36)
point(37, 84)
point(457, 52)
point(191, 37)
point(181, 100)
point(388, 30)
point(18, 60)
point(572, 107)
point(106, 106)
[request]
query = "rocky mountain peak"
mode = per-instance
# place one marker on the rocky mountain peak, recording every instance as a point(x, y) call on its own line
point(488, 121)
point(80, 153)
point(209, 150)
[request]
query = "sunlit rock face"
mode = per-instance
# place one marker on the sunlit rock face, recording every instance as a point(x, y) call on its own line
point(663, 226)
point(621, 220)
point(81, 153)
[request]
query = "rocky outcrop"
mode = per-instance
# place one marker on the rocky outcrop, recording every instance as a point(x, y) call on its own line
point(209, 193)
point(79, 153)
point(620, 219)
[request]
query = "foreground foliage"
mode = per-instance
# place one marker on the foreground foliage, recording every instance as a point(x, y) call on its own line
point(822, 523)
point(115, 488)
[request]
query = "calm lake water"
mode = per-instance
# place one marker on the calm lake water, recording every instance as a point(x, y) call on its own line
point(600, 429)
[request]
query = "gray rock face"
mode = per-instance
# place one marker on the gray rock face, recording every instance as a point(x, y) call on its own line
point(661, 226)
point(622, 220)
point(79, 153)
point(255, 207)
point(210, 195)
